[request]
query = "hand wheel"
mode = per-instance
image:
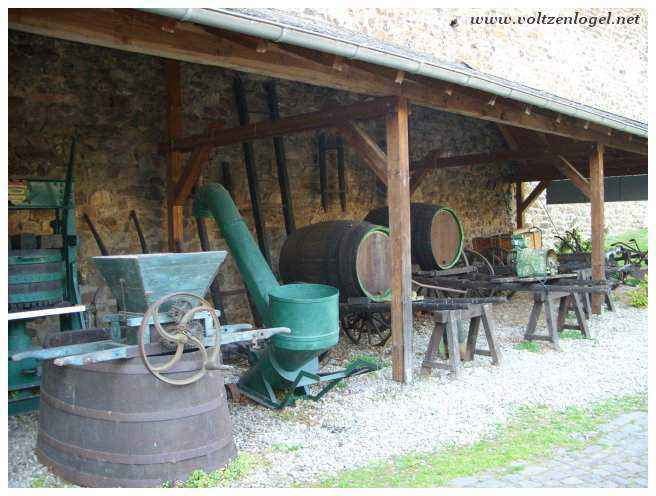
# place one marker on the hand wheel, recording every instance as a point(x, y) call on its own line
point(180, 335)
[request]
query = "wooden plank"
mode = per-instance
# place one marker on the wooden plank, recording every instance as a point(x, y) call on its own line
point(367, 149)
point(175, 212)
point(135, 31)
point(519, 201)
point(398, 200)
point(612, 167)
point(281, 160)
point(341, 173)
point(323, 171)
point(251, 170)
point(435, 161)
point(571, 173)
point(190, 174)
point(226, 177)
point(597, 220)
point(328, 117)
point(534, 194)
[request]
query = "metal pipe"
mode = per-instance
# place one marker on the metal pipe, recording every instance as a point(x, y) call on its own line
point(284, 33)
point(253, 267)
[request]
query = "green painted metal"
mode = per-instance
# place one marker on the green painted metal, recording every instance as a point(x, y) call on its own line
point(532, 262)
point(252, 265)
point(27, 269)
point(137, 281)
point(23, 376)
point(45, 194)
point(290, 363)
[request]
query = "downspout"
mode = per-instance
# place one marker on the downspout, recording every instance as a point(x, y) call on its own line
point(282, 33)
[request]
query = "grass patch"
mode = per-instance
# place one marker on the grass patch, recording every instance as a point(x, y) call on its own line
point(639, 296)
point(285, 448)
point(533, 433)
point(571, 334)
point(371, 360)
point(531, 346)
point(236, 469)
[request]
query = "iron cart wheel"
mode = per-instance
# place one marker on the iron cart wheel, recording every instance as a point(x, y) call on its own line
point(484, 267)
point(377, 326)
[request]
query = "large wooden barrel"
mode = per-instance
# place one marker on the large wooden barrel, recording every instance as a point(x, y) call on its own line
point(352, 256)
point(113, 424)
point(436, 234)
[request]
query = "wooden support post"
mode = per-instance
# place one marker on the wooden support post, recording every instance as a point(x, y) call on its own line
point(519, 198)
point(398, 200)
point(175, 213)
point(323, 171)
point(597, 220)
point(341, 172)
point(226, 176)
point(571, 173)
point(251, 171)
point(281, 160)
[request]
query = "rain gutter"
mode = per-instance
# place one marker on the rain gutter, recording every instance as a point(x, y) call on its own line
point(283, 33)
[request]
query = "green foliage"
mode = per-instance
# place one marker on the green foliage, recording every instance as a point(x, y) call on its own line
point(237, 469)
point(639, 297)
point(531, 346)
point(573, 241)
point(532, 434)
point(39, 482)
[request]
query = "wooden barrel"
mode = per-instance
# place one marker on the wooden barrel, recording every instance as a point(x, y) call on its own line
point(436, 234)
point(113, 424)
point(352, 256)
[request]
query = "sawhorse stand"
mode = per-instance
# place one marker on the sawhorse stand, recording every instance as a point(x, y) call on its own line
point(446, 328)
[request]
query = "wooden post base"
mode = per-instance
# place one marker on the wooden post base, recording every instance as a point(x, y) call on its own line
point(446, 327)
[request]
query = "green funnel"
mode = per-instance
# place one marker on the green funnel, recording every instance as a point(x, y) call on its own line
point(311, 311)
point(138, 281)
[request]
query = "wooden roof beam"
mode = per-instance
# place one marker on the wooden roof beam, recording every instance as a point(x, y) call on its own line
point(367, 149)
point(126, 29)
point(328, 117)
point(434, 161)
point(571, 173)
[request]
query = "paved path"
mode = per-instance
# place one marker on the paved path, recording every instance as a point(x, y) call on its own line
point(617, 459)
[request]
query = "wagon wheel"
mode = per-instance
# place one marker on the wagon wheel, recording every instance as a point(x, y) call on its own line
point(381, 328)
point(375, 325)
point(483, 266)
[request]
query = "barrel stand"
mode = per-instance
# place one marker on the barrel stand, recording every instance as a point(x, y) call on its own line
point(446, 328)
point(556, 322)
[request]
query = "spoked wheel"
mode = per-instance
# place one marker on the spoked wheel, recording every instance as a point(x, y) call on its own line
point(484, 267)
point(377, 327)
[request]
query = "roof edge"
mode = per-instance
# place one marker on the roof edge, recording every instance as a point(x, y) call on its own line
point(284, 33)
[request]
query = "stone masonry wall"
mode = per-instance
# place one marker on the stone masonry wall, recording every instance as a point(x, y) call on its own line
point(603, 66)
point(116, 103)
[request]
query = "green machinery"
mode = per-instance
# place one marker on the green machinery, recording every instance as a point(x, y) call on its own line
point(289, 365)
point(162, 312)
point(531, 262)
point(42, 276)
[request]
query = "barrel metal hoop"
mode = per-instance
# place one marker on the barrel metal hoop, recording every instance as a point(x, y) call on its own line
point(127, 459)
point(82, 411)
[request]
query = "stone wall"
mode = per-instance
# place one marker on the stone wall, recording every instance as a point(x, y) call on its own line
point(556, 219)
point(603, 66)
point(116, 103)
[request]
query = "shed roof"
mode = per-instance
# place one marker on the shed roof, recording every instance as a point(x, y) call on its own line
point(461, 73)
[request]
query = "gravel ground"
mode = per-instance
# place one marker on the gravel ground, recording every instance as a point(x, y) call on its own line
point(374, 417)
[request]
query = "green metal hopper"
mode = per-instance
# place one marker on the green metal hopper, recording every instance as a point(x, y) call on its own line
point(138, 281)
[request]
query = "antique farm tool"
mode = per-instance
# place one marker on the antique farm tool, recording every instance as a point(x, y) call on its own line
point(142, 402)
point(286, 368)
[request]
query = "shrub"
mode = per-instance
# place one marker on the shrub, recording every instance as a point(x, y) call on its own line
point(639, 297)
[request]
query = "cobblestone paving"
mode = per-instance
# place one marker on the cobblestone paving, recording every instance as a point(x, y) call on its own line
point(618, 458)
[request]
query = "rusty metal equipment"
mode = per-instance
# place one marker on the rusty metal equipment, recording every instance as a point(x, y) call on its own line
point(142, 401)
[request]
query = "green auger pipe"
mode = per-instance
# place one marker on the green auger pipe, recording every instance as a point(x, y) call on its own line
point(290, 362)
